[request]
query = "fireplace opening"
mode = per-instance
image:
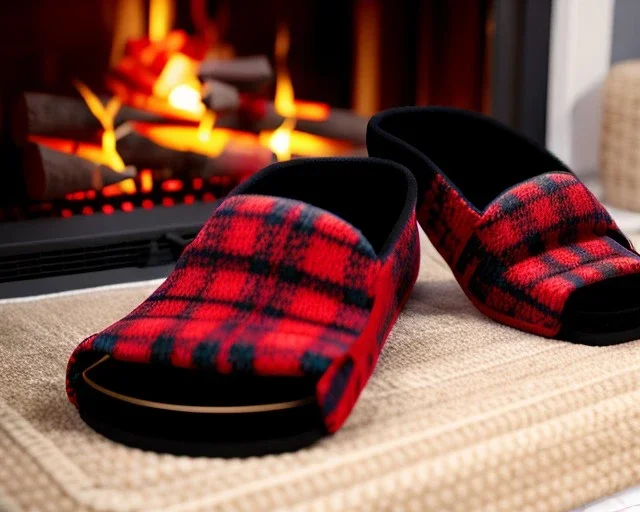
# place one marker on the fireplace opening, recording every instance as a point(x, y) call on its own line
point(124, 121)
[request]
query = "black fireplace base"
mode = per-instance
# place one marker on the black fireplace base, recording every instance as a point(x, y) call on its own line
point(30, 287)
point(53, 255)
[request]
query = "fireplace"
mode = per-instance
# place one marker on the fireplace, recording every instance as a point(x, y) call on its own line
point(124, 121)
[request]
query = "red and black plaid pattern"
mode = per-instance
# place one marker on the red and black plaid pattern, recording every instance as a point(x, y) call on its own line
point(340, 386)
point(270, 286)
point(534, 245)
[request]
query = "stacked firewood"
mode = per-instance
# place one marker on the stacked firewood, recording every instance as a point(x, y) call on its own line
point(235, 90)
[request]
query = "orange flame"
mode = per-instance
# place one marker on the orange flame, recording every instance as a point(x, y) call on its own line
point(179, 84)
point(280, 140)
point(106, 115)
point(284, 100)
point(206, 126)
point(161, 13)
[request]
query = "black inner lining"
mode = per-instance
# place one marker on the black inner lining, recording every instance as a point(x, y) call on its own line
point(481, 157)
point(368, 194)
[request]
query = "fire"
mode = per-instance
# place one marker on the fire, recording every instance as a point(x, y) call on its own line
point(179, 84)
point(280, 141)
point(186, 97)
point(187, 138)
point(146, 181)
point(106, 115)
point(284, 100)
point(312, 110)
point(206, 126)
point(160, 19)
point(179, 78)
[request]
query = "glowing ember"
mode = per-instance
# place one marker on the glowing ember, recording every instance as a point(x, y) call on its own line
point(106, 115)
point(146, 181)
point(111, 190)
point(172, 185)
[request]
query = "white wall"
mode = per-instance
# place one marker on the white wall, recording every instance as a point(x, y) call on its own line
point(580, 56)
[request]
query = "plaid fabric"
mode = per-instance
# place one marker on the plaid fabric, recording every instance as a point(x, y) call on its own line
point(270, 286)
point(521, 258)
point(340, 386)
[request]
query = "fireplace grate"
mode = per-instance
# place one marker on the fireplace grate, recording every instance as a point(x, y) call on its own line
point(136, 253)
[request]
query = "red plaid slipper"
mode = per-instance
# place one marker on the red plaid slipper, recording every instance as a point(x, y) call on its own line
point(528, 243)
point(266, 332)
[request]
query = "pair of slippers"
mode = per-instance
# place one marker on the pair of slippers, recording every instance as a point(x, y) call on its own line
point(264, 335)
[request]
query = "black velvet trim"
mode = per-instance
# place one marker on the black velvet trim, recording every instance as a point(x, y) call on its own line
point(375, 196)
point(479, 156)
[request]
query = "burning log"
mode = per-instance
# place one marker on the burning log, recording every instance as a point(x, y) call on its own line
point(220, 96)
point(247, 74)
point(340, 124)
point(61, 116)
point(52, 174)
point(237, 160)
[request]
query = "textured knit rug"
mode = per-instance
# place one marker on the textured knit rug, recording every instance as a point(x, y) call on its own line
point(460, 414)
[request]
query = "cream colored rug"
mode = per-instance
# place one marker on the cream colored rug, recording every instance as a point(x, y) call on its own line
point(460, 414)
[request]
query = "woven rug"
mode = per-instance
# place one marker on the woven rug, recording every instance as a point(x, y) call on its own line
point(460, 414)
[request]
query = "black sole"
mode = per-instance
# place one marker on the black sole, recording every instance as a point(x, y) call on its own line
point(216, 444)
point(599, 339)
point(238, 434)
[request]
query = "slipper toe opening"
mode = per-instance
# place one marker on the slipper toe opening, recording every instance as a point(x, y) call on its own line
point(216, 415)
point(604, 313)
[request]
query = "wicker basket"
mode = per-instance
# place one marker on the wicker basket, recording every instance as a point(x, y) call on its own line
point(620, 146)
